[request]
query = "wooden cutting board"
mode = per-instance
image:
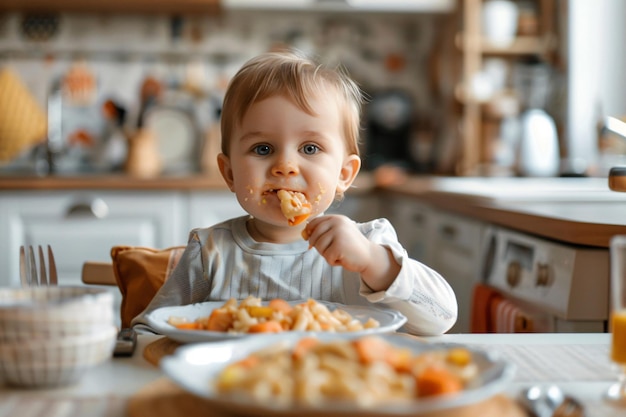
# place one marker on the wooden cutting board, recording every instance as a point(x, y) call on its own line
point(163, 398)
point(154, 351)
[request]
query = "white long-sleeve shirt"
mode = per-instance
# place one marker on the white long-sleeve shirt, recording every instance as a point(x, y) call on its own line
point(224, 261)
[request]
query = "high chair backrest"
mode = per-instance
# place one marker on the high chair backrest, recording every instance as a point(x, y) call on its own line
point(137, 271)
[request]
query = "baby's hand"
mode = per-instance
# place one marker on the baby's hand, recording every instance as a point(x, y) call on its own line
point(339, 241)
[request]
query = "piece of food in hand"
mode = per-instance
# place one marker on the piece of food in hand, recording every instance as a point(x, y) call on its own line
point(294, 206)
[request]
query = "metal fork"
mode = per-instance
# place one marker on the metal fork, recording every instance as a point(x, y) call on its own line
point(28, 268)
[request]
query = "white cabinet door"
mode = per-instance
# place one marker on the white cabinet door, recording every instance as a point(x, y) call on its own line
point(207, 208)
point(359, 207)
point(413, 222)
point(455, 254)
point(84, 225)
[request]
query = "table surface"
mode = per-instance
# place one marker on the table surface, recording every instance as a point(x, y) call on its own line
point(578, 363)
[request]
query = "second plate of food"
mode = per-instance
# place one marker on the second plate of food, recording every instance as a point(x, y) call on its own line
point(187, 324)
point(375, 376)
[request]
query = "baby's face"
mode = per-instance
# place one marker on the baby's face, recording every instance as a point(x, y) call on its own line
point(278, 146)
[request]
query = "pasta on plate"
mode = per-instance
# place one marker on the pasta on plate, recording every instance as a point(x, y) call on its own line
point(252, 316)
point(366, 371)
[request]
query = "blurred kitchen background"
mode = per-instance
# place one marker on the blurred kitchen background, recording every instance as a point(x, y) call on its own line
point(453, 91)
point(109, 131)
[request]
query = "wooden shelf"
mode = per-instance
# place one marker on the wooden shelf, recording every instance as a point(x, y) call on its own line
point(113, 6)
point(522, 45)
point(527, 45)
point(474, 49)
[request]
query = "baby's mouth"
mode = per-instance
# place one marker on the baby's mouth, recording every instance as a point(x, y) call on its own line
point(294, 205)
point(274, 191)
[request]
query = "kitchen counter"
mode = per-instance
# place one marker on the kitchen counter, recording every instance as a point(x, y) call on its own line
point(579, 211)
point(111, 182)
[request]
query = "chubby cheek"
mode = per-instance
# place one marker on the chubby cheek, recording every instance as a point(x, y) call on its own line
point(248, 193)
point(321, 198)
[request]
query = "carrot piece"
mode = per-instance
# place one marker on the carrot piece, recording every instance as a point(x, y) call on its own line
point(400, 359)
point(437, 381)
point(270, 326)
point(296, 220)
point(248, 362)
point(371, 349)
point(220, 320)
point(187, 326)
point(280, 305)
point(303, 346)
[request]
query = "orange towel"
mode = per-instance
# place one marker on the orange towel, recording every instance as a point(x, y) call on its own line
point(483, 298)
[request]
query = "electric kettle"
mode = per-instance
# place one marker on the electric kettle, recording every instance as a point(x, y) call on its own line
point(539, 145)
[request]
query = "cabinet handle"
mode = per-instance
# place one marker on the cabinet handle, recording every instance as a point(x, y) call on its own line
point(448, 231)
point(418, 218)
point(95, 208)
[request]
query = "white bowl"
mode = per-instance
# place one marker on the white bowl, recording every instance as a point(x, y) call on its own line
point(56, 361)
point(43, 312)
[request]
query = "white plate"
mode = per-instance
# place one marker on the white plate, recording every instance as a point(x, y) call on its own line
point(176, 136)
point(390, 320)
point(194, 367)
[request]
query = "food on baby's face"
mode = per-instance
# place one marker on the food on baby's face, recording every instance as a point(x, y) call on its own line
point(367, 371)
point(294, 206)
point(251, 316)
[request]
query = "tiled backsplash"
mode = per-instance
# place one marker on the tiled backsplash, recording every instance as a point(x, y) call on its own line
point(194, 57)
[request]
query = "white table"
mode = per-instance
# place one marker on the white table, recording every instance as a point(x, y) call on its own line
point(578, 363)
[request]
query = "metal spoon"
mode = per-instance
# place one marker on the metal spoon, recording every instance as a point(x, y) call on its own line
point(550, 402)
point(533, 401)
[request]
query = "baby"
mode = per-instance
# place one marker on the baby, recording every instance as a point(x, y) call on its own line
point(290, 130)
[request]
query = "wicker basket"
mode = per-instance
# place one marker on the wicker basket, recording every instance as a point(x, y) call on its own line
point(52, 335)
point(56, 361)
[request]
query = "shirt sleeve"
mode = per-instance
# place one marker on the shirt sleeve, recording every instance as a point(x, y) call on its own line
point(418, 292)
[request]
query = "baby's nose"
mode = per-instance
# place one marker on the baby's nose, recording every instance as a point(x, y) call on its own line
point(285, 168)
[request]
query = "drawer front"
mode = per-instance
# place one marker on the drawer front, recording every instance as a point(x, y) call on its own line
point(83, 226)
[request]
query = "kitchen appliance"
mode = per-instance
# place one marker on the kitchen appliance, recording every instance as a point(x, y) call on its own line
point(539, 154)
point(539, 145)
point(389, 129)
point(552, 286)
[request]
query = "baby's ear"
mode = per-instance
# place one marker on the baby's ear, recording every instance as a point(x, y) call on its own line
point(223, 162)
point(349, 171)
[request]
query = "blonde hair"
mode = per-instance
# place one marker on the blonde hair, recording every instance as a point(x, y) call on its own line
point(297, 78)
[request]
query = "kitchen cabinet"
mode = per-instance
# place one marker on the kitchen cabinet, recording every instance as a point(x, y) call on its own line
point(360, 207)
point(210, 207)
point(446, 242)
point(114, 6)
point(455, 253)
point(481, 110)
point(413, 222)
point(83, 225)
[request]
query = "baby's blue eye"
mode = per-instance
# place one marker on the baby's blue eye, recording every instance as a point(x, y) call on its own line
point(262, 149)
point(310, 149)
